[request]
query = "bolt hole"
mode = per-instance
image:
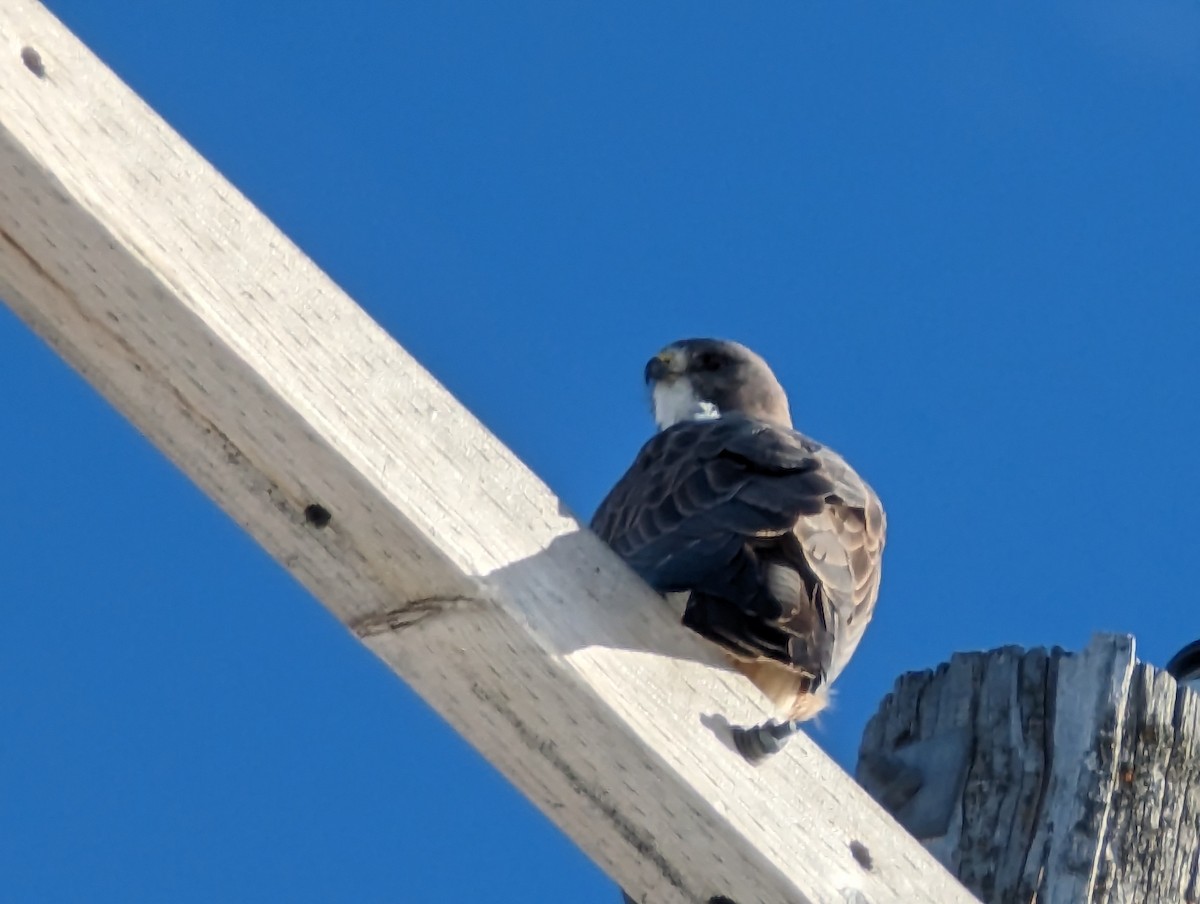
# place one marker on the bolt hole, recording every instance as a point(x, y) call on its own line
point(317, 515)
point(861, 854)
point(33, 61)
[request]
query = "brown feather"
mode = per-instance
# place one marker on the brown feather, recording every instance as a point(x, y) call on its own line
point(777, 538)
point(790, 692)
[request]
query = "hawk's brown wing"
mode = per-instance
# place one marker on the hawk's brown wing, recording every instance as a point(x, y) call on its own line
point(842, 549)
point(777, 539)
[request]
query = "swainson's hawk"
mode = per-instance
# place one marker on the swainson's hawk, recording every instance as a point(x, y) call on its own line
point(774, 537)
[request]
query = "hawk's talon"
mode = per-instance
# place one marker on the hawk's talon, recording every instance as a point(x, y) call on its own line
point(761, 741)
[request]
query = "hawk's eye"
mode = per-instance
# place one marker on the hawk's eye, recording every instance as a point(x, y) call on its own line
point(709, 361)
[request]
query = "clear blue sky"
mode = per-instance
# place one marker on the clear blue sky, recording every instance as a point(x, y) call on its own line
point(966, 234)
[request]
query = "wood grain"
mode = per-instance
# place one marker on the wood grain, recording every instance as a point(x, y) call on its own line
point(1040, 777)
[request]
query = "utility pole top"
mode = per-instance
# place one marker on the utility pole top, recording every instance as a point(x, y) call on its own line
point(1046, 777)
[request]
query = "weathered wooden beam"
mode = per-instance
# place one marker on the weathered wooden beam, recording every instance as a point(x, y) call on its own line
point(1045, 778)
point(352, 466)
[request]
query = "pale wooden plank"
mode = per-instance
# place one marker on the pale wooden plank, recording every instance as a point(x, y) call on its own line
point(232, 352)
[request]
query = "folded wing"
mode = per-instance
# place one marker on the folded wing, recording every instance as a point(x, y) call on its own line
point(777, 539)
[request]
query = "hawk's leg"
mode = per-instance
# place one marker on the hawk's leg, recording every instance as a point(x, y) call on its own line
point(761, 741)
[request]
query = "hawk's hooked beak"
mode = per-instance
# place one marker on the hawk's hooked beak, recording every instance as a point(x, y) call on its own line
point(665, 364)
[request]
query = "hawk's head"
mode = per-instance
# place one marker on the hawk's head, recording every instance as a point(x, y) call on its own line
point(704, 378)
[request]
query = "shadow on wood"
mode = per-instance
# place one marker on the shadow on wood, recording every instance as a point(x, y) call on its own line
point(1044, 777)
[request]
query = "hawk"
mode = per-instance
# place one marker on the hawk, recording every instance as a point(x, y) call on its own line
point(773, 537)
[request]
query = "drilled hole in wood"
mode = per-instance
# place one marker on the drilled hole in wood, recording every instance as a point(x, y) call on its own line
point(317, 515)
point(861, 854)
point(33, 61)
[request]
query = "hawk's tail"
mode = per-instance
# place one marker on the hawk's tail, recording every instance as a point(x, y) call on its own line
point(792, 693)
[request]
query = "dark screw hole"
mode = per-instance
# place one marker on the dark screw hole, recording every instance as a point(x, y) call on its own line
point(861, 854)
point(33, 61)
point(317, 515)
